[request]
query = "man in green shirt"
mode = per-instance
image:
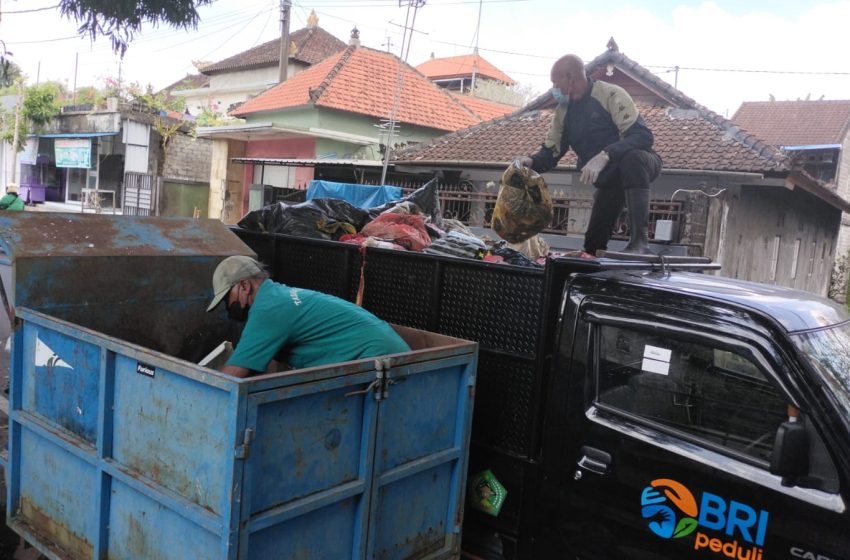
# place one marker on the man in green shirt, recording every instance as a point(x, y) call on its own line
point(310, 328)
point(11, 200)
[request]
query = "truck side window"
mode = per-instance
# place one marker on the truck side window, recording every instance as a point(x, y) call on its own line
point(713, 394)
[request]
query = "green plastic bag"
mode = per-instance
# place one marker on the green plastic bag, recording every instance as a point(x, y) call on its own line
point(486, 493)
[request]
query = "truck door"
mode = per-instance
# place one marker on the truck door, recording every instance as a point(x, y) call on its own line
point(672, 421)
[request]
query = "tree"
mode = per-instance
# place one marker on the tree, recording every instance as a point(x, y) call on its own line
point(9, 72)
point(42, 103)
point(121, 19)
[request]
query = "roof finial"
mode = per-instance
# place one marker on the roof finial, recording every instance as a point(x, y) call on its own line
point(355, 37)
point(612, 45)
point(312, 19)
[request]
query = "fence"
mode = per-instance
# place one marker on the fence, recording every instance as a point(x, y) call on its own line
point(460, 201)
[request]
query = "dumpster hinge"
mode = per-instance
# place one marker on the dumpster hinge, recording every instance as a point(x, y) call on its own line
point(244, 449)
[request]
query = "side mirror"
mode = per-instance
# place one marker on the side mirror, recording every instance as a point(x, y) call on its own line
point(790, 457)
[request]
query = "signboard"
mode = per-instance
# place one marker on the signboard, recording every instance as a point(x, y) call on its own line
point(73, 152)
point(30, 152)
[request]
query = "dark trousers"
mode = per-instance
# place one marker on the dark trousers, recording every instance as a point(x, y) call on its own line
point(636, 170)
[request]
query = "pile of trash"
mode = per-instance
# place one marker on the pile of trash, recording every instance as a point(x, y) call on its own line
point(413, 223)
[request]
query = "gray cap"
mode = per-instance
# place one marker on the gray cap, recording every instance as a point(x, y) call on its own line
point(230, 271)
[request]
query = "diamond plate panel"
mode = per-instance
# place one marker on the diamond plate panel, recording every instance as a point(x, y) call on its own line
point(400, 289)
point(504, 398)
point(324, 268)
point(499, 307)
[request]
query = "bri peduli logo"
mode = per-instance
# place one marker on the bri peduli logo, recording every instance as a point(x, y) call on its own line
point(673, 512)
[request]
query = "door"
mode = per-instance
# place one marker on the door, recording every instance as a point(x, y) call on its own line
point(368, 465)
point(672, 426)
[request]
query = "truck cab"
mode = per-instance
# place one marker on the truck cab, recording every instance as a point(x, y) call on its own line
point(691, 416)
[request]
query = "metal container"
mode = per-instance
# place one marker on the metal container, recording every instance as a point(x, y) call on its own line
point(121, 449)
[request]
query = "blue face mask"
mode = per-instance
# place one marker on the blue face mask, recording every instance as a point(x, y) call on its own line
point(559, 97)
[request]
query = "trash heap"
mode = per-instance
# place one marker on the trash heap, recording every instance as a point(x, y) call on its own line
point(413, 223)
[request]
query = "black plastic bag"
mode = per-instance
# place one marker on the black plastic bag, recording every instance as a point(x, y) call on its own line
point(515, 258)
point(426, 198)
point(320, 218)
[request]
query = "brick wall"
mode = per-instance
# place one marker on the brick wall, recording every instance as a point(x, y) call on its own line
point(188, 159)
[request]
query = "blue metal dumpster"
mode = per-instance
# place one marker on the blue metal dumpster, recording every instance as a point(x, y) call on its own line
point(123, 451)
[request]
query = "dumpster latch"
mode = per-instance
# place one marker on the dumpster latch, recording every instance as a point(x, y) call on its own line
point(380, 386)
point(242, 451)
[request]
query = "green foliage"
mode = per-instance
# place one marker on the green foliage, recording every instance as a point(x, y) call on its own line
point(42, 103)
point(162, 101)
point(120, 20)
point(9, 72)
point(211, 116)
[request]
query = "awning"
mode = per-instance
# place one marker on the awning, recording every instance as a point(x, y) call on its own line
point(310, 162)
point(75, 134)
point(270, 131)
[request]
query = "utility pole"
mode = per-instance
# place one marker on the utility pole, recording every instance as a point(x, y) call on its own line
point(405, 49)
point(283, 66)
point(16, 137)
point(475, 51)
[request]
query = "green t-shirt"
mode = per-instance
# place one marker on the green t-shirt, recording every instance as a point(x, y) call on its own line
point(11, 202)
point(312, 328)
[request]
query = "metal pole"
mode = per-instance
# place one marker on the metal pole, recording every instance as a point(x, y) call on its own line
point(76, 64)
point(283, 65)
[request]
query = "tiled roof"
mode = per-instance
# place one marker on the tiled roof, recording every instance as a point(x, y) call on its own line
point(796, 123)
point(362, 80)
point(687, 135)
point(312, 45)
point(191, 81)
point(484, 108)
point(462, 67)
point(683, 138)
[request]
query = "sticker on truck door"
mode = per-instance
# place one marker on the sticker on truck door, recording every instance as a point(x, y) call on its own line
point(656, 359)
point(728, 528)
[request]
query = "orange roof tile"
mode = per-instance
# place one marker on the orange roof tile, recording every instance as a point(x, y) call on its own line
point(461, 67)
point(484, 108)
point(362, 80)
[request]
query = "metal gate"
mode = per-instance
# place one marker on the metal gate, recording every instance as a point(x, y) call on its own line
point(139, 194)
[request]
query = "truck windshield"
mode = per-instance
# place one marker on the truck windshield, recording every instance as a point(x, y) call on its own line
point(828, 351)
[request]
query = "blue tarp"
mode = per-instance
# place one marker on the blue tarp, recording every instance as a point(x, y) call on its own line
point(362, 196)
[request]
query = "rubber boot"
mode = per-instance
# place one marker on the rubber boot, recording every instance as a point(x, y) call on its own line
point(637, 202)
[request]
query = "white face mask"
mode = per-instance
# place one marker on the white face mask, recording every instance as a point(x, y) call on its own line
point(559, 96)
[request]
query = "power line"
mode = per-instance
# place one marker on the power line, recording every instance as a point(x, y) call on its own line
point(5, 12)
point(751, 71)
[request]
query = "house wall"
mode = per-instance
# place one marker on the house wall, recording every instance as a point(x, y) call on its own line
point(290, 148)
point(758, 217)
point(187, 159)
point(226, 181)
point(842, 251)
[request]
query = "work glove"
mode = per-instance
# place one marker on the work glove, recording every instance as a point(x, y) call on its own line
point(523, 161)
point(590, 172)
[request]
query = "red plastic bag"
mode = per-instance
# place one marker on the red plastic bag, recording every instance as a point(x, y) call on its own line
point(407, 230)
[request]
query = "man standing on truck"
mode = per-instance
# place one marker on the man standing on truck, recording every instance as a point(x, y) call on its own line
point(308, 328)
point(602, 125)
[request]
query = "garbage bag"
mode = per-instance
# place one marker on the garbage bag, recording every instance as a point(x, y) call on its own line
point(407, 230)
point(320, 218)
point(457, 244)
point(524, 206)
point(534, 247)
point(426, 198)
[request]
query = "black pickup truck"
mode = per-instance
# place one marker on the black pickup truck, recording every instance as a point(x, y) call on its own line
point(631, 410)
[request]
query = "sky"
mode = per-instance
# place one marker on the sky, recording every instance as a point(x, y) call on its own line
point(727, 51)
